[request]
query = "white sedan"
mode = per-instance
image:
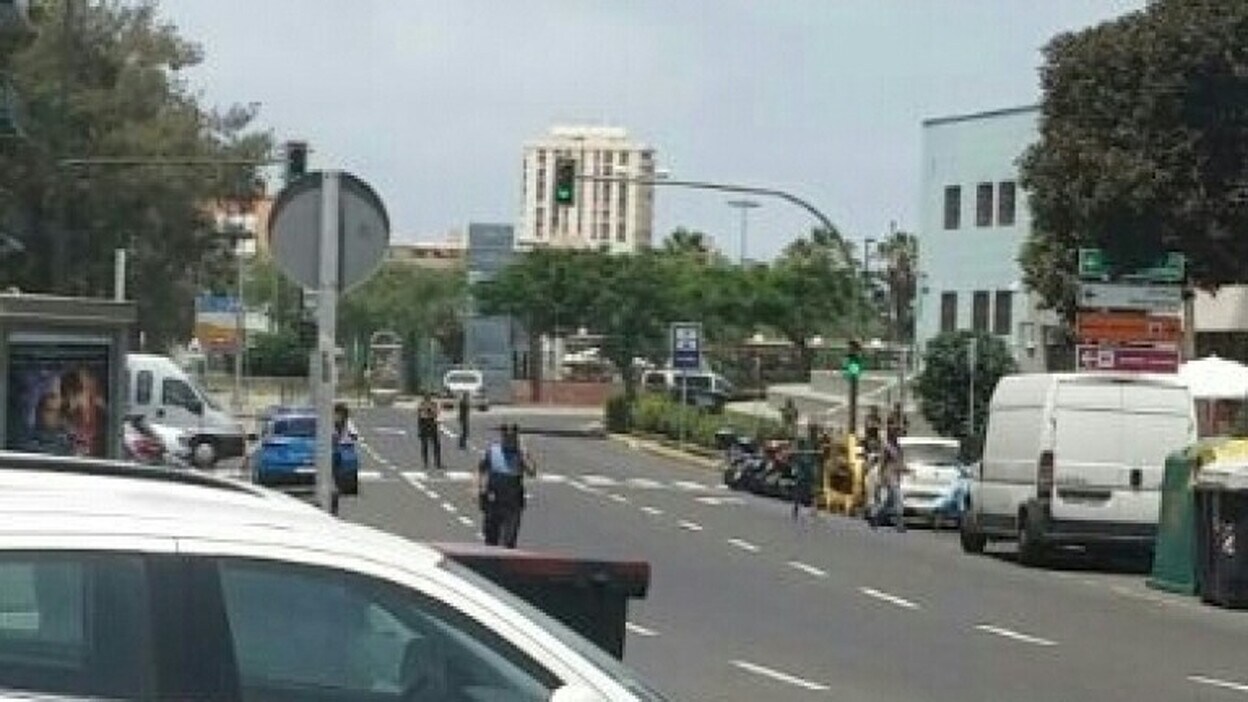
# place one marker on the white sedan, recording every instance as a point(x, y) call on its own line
point(936, 480)
point(124, 582)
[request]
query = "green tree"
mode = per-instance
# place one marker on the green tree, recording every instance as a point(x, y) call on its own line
point(112, 85)
point(900, 252)
point(633, 308)
point(811, 290)
point(411, 301)
point(546, 290)
point(945, 384)
point(1143, 145)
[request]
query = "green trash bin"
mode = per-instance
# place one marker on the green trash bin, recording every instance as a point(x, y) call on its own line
point(1174, 554)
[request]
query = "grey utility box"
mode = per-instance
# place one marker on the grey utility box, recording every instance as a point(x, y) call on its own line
point(63, 374)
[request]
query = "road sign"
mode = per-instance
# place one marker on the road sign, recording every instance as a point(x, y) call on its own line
point(1127, 328)
point(686, 346)
point(295, 225)
point(1143, 298)
point(1142, 359)
point(1167, 268)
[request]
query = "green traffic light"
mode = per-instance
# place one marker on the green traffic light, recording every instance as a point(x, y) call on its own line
point(852, 368)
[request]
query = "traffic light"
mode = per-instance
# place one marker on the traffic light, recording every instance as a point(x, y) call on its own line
point(565, 181)
point(851, 368)
point(296, 160)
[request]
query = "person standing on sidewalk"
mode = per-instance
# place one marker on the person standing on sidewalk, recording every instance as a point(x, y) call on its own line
point(465, 408)
point(500, 487)
point(892, 467)
point(789, 417)
point(427, 428)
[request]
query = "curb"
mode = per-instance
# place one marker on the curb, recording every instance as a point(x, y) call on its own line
point(665, 451)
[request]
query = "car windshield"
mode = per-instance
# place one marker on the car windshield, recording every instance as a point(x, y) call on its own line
point(600, 659)
point(299, 427)
point(932, 454)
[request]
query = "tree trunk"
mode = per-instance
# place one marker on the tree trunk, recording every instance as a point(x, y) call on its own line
point(535, 366)
point(806, 356)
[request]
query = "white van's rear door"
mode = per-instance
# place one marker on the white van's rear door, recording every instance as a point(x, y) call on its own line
point(1088, 443)
point(1159, 422)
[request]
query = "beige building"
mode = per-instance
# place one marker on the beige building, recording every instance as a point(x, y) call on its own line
point(618, 215)
point(445, 254)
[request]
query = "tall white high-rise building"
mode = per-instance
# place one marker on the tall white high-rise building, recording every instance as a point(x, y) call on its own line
point(616, 215)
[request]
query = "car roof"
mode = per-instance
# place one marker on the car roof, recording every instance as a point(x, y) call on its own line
point(57, 497)
point(928, 441)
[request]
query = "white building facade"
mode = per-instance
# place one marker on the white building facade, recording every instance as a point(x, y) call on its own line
point(615, 215)
point(973, 222)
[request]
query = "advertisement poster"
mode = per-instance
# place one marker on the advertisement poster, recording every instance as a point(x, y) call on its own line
point(58, 398)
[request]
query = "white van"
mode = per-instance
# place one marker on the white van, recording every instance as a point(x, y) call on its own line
point(1076, 458)
point(163, 393)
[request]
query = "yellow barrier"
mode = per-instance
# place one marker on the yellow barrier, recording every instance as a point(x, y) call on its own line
point(847, 493)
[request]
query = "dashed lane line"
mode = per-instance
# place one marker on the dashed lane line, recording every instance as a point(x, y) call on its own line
point(1014, 635)
point(1215, 682)
point(449, 507)
point(690, 526)
point(888, 597)
point(743, 545)
point(617, 498)
point(808, 569)
point(652, 511)
point(780, 676)
point(466, 521)
point(640, 630)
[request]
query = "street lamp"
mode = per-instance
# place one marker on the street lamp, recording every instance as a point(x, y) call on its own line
point(745, 206)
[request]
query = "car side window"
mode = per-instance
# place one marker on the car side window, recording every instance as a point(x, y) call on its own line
point(176, 393)
point(303, 633)
point(75, 624)
point(143, 382)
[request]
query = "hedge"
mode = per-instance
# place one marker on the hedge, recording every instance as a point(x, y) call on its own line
point(653, 413)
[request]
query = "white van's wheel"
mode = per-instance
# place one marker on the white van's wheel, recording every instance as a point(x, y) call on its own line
point(204, 453)
point(1031, 548)
point(973, 540)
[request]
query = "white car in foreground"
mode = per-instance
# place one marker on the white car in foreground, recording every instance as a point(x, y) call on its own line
point(129, 583)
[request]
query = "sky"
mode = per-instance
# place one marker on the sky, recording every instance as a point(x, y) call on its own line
point(431, 101)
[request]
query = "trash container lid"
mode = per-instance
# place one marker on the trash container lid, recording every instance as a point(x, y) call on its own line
point(1230, 474)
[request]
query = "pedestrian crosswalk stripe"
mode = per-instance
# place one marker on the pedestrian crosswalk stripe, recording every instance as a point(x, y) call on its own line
point(644, 483)
point(551, 478)
point(598, 480)
point(690, 485)
point(450, 476)
point(371, 475)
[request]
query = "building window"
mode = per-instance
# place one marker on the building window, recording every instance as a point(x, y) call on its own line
point(1005, 203)
point(979, 311)
point(948, 311)
point(619, 233)
point(623, 158)
point(983, 205)
point(1003, 313)
point(953, 207)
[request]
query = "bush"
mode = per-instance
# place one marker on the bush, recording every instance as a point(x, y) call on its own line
point(657, 414)
point(618, 414)
point(279, 355)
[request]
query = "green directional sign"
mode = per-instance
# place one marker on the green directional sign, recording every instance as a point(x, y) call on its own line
point(1167, 268)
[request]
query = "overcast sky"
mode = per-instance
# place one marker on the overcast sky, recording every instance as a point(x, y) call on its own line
point(431, 100)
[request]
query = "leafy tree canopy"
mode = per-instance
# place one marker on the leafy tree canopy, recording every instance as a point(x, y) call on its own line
point(944, 386)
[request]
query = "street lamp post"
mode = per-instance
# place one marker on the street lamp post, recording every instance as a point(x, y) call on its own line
point(860, 312)
point(744, 205)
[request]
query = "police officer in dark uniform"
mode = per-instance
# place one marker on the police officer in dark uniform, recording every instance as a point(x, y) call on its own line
point(500, 487)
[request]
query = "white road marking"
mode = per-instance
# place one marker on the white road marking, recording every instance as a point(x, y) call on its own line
point(457, 476)
point(716, 501)
point(743, 545)
point(449, 507)
point(434, 495)
point(652, 511)
point(390, 431)
point(415, 475)
point(779, 676)
point(690, 485)
point(370, 475)
point(1014, 635)
point(584, 488)
point(466, 521)
point(551, 478)
point(691, 526)
point(598, 480)
point(617, 498)
point(640, 630)
point(644, 483)
point(446, 431)
point(810, 569)
point(889, 598)
point(1214, 682)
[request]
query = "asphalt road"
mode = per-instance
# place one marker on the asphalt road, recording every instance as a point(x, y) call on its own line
point(746, 604)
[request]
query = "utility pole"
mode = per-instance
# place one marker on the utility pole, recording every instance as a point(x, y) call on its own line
point(744, 206)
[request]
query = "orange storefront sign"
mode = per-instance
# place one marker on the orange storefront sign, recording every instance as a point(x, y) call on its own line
point(1127, 327)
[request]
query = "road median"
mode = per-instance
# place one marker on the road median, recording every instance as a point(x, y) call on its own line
point(691, 455)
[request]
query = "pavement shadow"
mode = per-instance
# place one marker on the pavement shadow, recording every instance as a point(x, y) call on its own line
point(1075, 560)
